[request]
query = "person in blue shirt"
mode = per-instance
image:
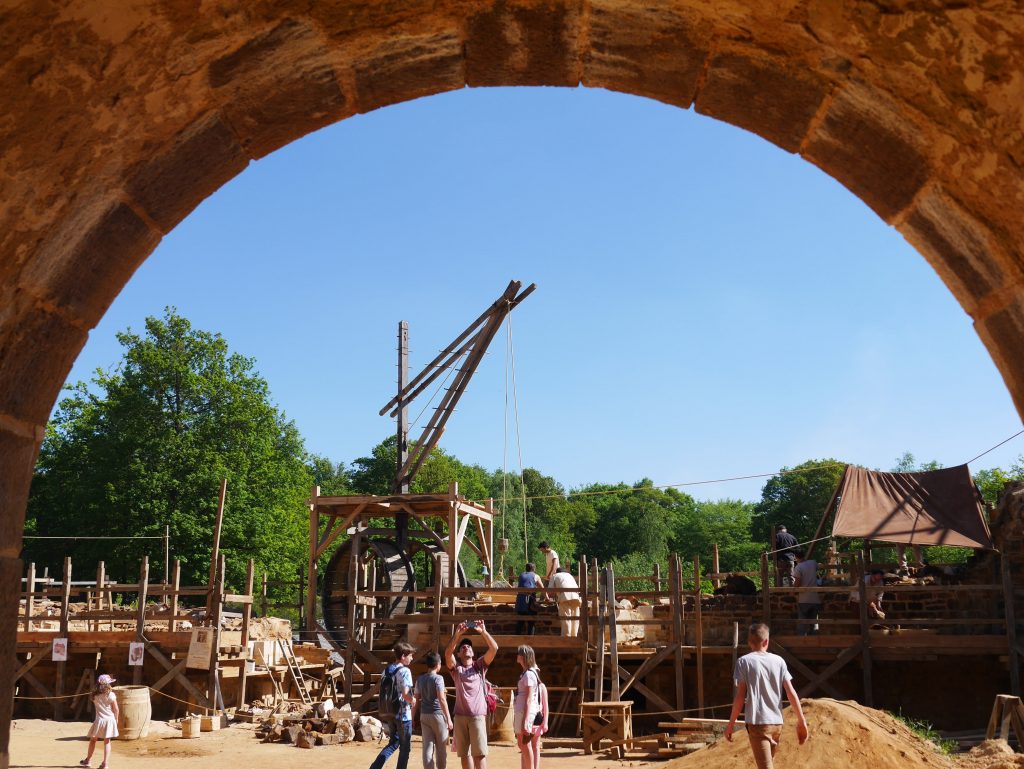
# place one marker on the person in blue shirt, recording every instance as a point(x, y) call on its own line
point(401, 731)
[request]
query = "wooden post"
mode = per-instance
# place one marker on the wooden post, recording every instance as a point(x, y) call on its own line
point(584, 633)
point(172, 623)
point(717, 582)
point(657, 576)
point(302, 598)
point(865, 633)
point(101, 578)
point(766, 593)
point(1010, 613)
point(602, 593)
point(246, 616)
point(350, 612)
point(212, 681)
point(65, 601)
point(676, 602)
point(735, 650)
point(140, 615)
point(215, 553)
point(453, 541)
point(775, 556)
point(613, 637)
point(263, 597)
point(698, 621)
point(314, 540)
point(30, 595)
point(167, 561)
point(438, 601)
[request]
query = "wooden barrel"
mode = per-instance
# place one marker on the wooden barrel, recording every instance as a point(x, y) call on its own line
point(136, 711)
point(500, 728)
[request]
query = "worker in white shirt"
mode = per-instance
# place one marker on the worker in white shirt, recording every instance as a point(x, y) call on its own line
point(552, 561)
point(569, 602)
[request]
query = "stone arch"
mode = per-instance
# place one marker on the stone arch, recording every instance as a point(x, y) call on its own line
point(118, 121)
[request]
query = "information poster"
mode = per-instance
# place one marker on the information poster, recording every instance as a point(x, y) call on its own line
point(60, 650)
point(199, 648)
point(136, 653)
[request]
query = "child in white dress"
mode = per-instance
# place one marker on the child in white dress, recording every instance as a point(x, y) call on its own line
point(104, 727)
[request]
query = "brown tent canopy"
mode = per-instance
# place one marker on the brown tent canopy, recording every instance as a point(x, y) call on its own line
point(939, 507)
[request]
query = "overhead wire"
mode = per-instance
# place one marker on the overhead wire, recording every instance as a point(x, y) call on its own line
point(519, 442)
point(792, 471)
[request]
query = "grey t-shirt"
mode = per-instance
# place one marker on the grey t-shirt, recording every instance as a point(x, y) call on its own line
point(806, 573)
point(427, 686)
point(765, 675)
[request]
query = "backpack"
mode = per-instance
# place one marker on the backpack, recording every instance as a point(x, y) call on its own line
point(389, 703)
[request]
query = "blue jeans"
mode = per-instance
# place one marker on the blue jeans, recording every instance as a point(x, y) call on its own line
point(401, 740)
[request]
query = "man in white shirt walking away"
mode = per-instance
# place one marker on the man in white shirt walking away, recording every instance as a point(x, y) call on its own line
point(761, 677)
point(551, 558)
point(569, 603)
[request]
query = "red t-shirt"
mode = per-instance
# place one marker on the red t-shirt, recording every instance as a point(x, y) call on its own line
point(470, 689)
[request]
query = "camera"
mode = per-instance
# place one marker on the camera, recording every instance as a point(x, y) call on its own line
point(472, 624)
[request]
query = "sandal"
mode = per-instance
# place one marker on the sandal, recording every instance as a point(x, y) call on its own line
point(84, 762)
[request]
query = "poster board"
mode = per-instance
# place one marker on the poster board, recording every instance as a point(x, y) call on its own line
point(199, 648)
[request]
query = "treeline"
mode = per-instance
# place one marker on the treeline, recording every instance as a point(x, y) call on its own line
point(145, 445)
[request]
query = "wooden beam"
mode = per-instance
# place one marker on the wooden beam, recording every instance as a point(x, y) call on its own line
point(314, 536)
point(613, 636)
point(844, 657)
point(865, 633)
point(65, 608)
point(37, 657)
point(699, 634)
point(215, 553)
point(30, 595)
point(332, 534)
point(140, 616)
point(766, 593)
point(676, 601)
point(602, 594)
point(652, 697)
point(801, 668)
point(646, 666)
point(1010, 613)
point(250, 572)
point(160, 657)
point(172, 623)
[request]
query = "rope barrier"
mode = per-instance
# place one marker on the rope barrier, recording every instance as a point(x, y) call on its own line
point(823, 466)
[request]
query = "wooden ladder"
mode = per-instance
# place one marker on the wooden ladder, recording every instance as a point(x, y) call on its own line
point(296, 672)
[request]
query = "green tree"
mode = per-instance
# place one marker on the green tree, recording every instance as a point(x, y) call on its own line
point(796, 498)
point(374, 474)
point(332, 478)
point(146, 445)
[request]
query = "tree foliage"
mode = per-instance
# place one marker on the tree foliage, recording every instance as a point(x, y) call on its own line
point(796, 498)
point(146, 445)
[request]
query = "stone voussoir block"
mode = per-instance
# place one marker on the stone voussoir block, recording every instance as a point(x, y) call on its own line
point(407, 66)
point(17, 458)
point(87, 261)
point(772, 97)
point(178, 178)
point(37, 348)
point(866, 144)
point(962, 250)
point(524, 42)
point(279, 86)
point(654, 51)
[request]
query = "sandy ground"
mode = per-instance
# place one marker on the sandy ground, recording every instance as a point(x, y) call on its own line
point(38, 743)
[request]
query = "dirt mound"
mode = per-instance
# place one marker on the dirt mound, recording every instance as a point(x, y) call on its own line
point(991, 754)
point(841, 734)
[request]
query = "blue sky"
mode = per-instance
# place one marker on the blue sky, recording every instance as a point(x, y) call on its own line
point(707, 306)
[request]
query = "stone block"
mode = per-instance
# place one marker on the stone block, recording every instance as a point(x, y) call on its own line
point(960, 248)
point(86, 262)
point(180, 176)
point(774, 98)
point(1001, 332)
point(37, 348)
point(649, 50)
point(868, 146)
point(17, 459)
point(278, 86)
point(524, 42)
point(353, 16)
point(306, 740)
point(407, 66)
point(291, 734)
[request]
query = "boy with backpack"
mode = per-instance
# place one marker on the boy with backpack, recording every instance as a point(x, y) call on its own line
point(395, 703)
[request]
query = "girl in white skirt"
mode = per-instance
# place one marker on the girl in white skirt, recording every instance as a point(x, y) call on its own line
point(104, 701)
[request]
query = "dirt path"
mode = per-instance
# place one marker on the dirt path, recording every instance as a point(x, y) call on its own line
point(45, 744)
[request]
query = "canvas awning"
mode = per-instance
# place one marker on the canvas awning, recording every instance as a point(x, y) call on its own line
point(938, 507)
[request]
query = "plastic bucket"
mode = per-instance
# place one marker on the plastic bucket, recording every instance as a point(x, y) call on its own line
point(190, 727)
point(136, 711)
